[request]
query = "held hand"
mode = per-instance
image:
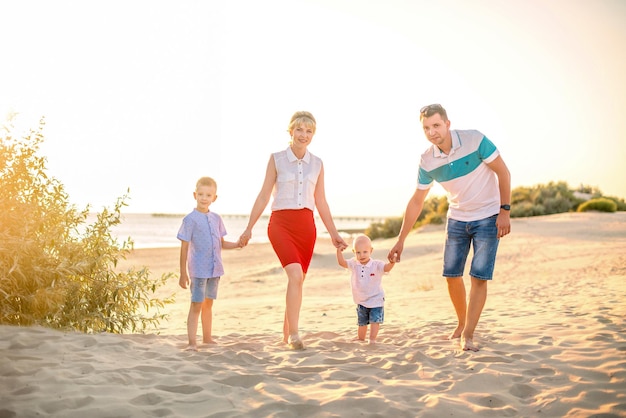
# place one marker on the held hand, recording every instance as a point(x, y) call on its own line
point(339, 243)
point(244, 238)
point(395, 252)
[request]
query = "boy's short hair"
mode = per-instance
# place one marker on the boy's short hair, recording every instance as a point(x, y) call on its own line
point(206, 181)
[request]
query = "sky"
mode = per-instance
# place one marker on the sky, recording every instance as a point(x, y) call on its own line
point(149, 95)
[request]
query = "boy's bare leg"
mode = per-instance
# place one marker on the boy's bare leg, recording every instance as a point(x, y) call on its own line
point(192, 325)
point(456, 289)
point(477, 299)
point(207, 321)
point(374, 327)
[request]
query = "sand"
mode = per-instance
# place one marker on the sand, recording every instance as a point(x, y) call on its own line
point(552, 340)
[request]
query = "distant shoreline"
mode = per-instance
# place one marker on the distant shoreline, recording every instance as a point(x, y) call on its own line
point(159, 230)
point(266, 216)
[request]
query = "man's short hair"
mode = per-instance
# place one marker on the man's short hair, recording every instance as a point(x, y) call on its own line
point(433, 109)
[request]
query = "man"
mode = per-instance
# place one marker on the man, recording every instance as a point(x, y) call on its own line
point(478, 183)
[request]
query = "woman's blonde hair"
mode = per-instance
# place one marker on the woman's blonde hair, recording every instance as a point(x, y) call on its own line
point(301, 117)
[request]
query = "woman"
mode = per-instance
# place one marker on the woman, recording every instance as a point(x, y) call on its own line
point(296, 178)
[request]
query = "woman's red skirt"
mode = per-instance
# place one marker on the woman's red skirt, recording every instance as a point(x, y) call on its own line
point(292, 234)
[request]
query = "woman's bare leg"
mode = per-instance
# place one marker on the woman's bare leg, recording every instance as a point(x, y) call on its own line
point(293, 301)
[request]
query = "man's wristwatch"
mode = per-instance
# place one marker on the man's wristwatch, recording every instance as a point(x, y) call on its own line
point(505, 207)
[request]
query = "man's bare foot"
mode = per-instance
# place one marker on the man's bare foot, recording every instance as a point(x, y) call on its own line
point(191, 347)
point(467, 344)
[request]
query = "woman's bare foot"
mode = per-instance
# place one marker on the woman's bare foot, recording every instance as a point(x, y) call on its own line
point(457, 333)
point(295, 343)
point(467, 344)
point(191, 347)
point(209, 341)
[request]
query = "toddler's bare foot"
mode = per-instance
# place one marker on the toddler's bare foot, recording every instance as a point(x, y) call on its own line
point(191, 347)
point(467, 344)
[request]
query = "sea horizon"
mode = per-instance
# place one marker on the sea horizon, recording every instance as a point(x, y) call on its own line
point(158, 230)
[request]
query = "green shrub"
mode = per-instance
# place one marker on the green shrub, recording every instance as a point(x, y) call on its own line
point(435, 208)
point(557, 204)
point(525, 209)
point(387, 229)
point(542, 199)
point(600, 204)
point(433, 218)
point(519, 195)
point(620, 204)
point(554, 197)
point(435, 212)
point(55, 270)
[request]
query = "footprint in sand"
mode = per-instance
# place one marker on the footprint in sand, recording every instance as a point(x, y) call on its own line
point(184, 389)
point(523, 391)
point(147, 399)
point(243, 381)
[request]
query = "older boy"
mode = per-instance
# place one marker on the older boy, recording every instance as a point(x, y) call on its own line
point(201, 238)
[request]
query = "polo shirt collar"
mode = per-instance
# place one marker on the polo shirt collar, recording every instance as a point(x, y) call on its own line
point(368, 264)
point(456, 144)
point(291, 157)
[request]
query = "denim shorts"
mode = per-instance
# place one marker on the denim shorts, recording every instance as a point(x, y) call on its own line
point(483, 236)
point(367, 316)
point(203, 289)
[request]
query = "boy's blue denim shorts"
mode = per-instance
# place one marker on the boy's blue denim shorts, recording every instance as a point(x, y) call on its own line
point(483, 236)
point(366, 316)
point(203, 289)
